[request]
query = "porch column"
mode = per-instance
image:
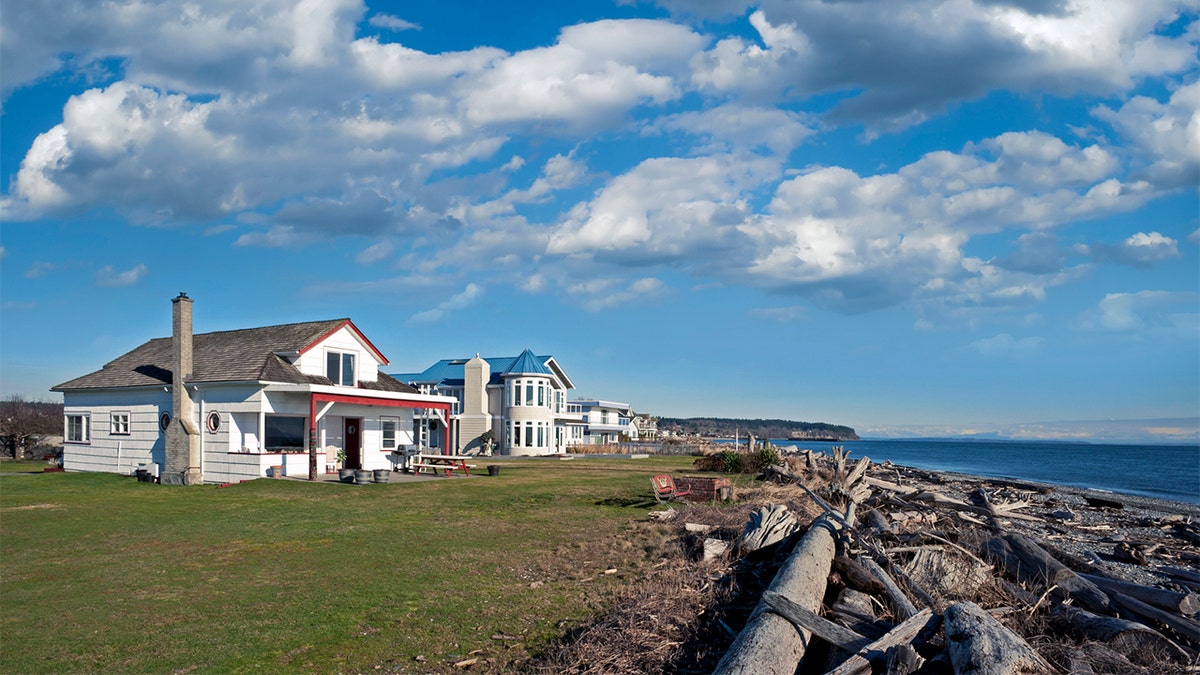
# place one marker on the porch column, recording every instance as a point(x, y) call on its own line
point(312, 437)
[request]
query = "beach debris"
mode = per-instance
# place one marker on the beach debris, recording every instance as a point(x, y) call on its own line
point(669, 514)
point(981, 645)
point(770, 643)
point(715, 548)
point(1104, 503)
point(949, 571)
point(768, 525)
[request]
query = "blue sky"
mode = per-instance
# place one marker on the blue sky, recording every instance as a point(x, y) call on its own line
point(929, 217)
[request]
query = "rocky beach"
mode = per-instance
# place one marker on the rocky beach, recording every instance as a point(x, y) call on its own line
point(1003, 576)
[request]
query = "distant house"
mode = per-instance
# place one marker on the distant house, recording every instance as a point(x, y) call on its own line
point(604, 422)
point(521, 399)
point(226, 406)
point(646, 426)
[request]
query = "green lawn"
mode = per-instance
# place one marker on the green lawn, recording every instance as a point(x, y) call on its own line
point(100, 573)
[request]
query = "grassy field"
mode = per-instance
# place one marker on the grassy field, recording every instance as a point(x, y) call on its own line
point(101, 573)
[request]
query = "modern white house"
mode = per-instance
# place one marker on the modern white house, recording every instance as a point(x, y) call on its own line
point(226, 406)
point(521, 399)
point(604, 422)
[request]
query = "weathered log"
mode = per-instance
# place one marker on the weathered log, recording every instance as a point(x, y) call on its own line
point(938, 499)
point(878, 522)
point(889, 486)
point(902, 660)
point(1122, 635)
point(1180, 573)
point(916, 629)
point(768, 525)
point(858, 576)
point(860, 468)
point(981, 645)
point(1172, 601)
point(807, 620)
point(899, 600)
point(1101, 503)
point(853, 610)
point(1185, 627)
point(1026, 561)
point(770, 643)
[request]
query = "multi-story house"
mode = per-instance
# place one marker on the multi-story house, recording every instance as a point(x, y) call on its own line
point(521, 399)
point(226, 406)
point(604, 422)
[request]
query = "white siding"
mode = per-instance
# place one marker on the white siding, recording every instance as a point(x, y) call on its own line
point(312, 362)
point(106, 451)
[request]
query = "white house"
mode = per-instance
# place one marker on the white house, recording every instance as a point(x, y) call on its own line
point(225, 406)
point(521, 399)
point(604, 422)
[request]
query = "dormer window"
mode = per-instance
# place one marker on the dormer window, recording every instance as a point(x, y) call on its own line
point(339, 368)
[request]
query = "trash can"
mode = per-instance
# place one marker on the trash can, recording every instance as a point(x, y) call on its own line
point(493, 469)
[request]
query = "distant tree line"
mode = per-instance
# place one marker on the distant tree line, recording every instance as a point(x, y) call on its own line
point(769, 429)
point(25, 424)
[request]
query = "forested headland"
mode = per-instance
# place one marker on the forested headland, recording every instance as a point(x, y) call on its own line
point(722, 427)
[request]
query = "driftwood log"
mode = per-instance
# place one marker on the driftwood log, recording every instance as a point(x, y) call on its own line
point(904, 607)
point(1189, 628)
point(981, 645)
point(1123, 636)
point(768, 525)
point(917, 628)
point(1026, 561)
point(1172, 601)
point(769, 643)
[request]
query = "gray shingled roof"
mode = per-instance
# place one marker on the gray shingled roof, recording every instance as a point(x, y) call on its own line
point(247, 355)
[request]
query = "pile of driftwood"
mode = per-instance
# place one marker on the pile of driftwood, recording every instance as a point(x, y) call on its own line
point(900, 578)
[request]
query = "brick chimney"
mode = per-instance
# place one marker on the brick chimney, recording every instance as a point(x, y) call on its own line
point(182, 435)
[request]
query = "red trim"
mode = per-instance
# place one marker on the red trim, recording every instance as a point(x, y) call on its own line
point(365, 400)
point(357, 332)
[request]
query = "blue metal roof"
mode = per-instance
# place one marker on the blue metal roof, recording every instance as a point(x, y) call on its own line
point(527, 364)
point(452, 372)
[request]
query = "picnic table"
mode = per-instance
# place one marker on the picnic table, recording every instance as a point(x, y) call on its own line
point(446, 463)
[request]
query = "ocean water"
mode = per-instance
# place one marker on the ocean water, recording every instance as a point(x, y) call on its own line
point(1161, 471)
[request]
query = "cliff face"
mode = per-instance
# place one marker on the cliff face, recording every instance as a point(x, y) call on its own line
point(765, 429)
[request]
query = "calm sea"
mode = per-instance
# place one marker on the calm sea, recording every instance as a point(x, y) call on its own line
point(1161, 471)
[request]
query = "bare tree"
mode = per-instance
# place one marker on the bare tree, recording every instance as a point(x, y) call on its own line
point(23, 422)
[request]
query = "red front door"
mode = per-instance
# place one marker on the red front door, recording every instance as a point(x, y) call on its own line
point(353, 446)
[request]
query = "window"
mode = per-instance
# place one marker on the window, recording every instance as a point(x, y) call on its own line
point(284, 433)
point(516, 435)
point(528, 394)
point(77, 429)
point(213, 422)
point(529, 434)
point(118, 423)
point(388, 427)
point(541, 395)
point(339, 368)
point(541, 435)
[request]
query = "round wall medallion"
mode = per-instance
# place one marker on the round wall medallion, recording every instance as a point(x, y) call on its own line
point(164, 421)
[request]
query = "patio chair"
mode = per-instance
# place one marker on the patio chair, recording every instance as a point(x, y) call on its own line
point(664, 488)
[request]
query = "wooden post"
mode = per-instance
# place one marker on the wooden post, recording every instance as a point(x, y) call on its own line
point(770, 644)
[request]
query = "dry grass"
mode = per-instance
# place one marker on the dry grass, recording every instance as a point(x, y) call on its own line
point(681, 616)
